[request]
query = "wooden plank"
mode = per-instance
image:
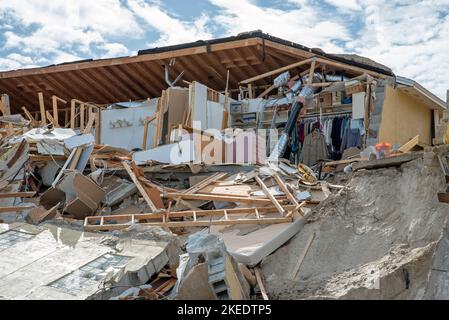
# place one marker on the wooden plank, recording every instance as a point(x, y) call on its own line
point(139, 186)
point(277, 71)
point(284, 188)
point(76, 157)
point(145, 130)
point(250, 91)
point(6, 104)
point(260, 284)
point(15, 208)
point(267, 91)
point(29, 115)
point(210, 197)
point(301, 258)
point(198, 223)
point(82, 116)
point(17, 194)
point(2, 108)
point(312, 70)
point(213, 178)
point(42, 108)
point(50, 118)
point(406, 147)
point(72, 113)
point(269, 195)
point(190, 214)
point(90, 124)
point(350, 67)
point(55, 101)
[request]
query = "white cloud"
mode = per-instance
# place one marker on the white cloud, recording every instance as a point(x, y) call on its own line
point(411, 38)
point(345, 4)
point(305, 24)
point(171, 29)
point(114, 50)
point(58, 25)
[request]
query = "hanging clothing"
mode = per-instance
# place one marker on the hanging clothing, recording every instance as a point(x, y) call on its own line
point(352, 136)
point(314, 148)
point(336, 135)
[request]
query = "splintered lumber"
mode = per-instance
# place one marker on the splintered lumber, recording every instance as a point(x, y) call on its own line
point(270, 196)
point(303, 255)
point(17, 194)
point(260, 284)
point(210, 197)
point(116, 222)
point(15, 208)
point(406, 147)
point(139, 186)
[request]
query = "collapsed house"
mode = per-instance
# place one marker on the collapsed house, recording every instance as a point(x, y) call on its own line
point(282, 153)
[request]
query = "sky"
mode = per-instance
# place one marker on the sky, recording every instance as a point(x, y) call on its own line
point(411, 37)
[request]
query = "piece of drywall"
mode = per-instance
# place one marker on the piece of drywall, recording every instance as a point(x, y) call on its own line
point(124, 127)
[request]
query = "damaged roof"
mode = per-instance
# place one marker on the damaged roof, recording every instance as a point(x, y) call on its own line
point(139, 77)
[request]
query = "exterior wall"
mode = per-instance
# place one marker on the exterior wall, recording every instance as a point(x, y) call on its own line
point(403, 117)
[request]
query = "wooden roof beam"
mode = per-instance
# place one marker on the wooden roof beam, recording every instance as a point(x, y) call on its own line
point(124, 73)
point(346, 66)
point(147, 78)
point(159, 83)
point(125, 60)
point(200, 65)
point(99, 85)
point(122, 88)
point(18, 94)
point(277, 71)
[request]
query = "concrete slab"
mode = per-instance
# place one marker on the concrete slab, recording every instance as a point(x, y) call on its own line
point(51, 262)
point(250, 244)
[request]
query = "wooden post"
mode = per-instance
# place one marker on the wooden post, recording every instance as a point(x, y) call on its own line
point(250, 91)
point(72, 113)
point(55, 100)
point(82, 117)
point(311, 72)
point(6, 105)
point(42, 108)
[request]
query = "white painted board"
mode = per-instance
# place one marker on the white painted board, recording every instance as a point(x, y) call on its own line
point(358, 105)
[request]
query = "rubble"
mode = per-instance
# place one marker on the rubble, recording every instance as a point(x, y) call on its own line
point(336, 204)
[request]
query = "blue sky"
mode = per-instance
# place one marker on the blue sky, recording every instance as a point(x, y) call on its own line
point(411, 37)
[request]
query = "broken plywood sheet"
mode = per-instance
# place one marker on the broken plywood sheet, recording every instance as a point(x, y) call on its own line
point(176, 153)
point(250, 244)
